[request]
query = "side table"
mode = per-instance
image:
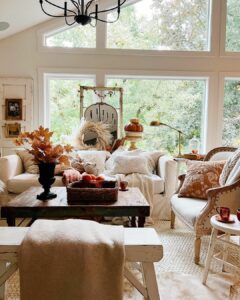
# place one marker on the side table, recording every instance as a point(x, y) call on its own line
point(228, 229)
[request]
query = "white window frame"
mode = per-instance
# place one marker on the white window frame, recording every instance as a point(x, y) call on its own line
point(101, 35)
point(222, 77)
point(45, 75)
point(207, 106)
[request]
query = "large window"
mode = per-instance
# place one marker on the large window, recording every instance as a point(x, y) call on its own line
point(233, 28)
point(65, 104)
point(75, 37)
point(177, 102)
point(231, 130)
point(180, 25)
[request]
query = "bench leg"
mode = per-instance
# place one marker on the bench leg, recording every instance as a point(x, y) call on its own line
point(150, 281)
point(2, 271)
point(172, 220)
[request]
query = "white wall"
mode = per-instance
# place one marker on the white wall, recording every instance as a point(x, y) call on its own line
point(21, 57)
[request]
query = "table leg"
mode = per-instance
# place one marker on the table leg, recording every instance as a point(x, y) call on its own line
point(141, 221)
point(133, 222)
point(11, 221)
point(209, 254)
point(225, 251)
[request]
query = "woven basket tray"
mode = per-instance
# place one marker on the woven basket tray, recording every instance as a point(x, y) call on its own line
point(81, 192)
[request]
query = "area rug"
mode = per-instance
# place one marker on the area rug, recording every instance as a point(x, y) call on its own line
point(178, 277)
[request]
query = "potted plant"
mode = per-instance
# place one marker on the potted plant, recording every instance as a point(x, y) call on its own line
point(46, 155)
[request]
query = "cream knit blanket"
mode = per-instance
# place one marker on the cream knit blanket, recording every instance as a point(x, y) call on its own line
point(71, 260)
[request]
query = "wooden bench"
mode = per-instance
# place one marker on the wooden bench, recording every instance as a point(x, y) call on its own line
point(142, 247)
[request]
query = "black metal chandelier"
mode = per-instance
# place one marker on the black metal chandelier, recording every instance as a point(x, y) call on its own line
point(80, 12)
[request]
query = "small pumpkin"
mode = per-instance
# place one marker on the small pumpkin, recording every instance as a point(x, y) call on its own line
point(134, 126)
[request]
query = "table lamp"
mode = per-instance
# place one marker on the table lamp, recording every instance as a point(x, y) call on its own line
point(180, 133)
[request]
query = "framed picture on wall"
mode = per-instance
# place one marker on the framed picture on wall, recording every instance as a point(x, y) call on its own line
point(13, 130)
point(13, 109)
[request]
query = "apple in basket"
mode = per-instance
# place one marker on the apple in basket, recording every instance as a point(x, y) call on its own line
point(94, 181)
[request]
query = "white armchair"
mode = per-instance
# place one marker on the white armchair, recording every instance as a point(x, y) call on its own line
point(196, 213)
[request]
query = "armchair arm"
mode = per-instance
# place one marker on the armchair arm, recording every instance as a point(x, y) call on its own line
point(168, 170)
point(10, 166)
point(228, 195)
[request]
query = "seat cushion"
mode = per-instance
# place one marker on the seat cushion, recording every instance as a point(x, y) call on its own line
point(187, 208)
point(20, 183)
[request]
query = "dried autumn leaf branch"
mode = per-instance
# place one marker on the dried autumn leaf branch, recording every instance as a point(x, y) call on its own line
point(40, 146)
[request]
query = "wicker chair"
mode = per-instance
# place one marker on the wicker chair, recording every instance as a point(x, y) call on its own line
point(196, 213)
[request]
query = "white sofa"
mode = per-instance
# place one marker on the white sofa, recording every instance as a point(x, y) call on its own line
point(14, 181)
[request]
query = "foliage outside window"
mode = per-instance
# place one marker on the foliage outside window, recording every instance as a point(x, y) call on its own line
point(177, 102)
point(231, 127)
point(74, 37)
point(175, 25)
point(232, 26)
point(65, 106)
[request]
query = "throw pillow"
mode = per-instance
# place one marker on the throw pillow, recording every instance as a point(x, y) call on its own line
point(28, 162)
point(200, 177)
point(230, 163)
point(151, 156)
point(234, 174)
point(96, 157)
point(130, 164)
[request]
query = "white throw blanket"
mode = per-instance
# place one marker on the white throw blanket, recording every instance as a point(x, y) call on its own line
point(70, 260)
point(143, 182)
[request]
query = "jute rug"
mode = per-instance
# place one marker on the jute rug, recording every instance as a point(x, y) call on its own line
point(177, 275)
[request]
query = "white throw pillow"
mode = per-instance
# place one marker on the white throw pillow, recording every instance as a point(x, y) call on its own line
point(234, 174)
point(152, 157)
point(94, 156)
point(130, 164)
point(28, 163)
point(229, 166)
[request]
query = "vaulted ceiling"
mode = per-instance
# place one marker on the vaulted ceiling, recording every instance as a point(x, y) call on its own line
point(23, 14)
point(20, 14)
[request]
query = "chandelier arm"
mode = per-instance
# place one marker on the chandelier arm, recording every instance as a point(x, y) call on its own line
point(88, 5)
point(76, 5)
point(50, 3)
point(109, 9)
point(104, 21)
point(50, 14)
point(69, 24)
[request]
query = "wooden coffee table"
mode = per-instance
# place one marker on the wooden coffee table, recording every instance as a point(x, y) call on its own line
point(130, 203)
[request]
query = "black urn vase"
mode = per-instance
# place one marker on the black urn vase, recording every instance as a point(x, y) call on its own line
point(46, 179)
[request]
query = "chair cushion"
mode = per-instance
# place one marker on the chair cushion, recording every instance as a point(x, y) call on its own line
point(200, 177)
point(20, 183)
point(187, 208)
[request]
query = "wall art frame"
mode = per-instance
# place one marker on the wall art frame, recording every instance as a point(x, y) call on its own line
point(13, 109)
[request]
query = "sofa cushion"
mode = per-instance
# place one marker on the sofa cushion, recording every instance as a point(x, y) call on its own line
point(29, 164)
point(187, 208)
point(152, 158)
point(20, 183)
point(123, 164)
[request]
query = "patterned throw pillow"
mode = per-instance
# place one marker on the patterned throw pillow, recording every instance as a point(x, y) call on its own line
point(200, 177)
point(230, 164)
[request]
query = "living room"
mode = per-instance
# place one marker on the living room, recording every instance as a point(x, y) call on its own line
point(176, 63)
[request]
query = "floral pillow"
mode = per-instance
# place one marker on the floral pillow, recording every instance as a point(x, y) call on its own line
point(200, 177)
